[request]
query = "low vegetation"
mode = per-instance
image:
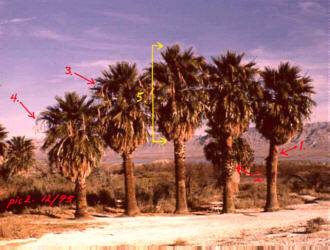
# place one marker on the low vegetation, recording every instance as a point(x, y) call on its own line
point(155, 187)
point(315, 225)
point(155, 192)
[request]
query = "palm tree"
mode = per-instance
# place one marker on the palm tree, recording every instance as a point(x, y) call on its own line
point(124, 119)
point(73, 142)
point(3, 135)
point(215, 150)
point(178, 106)
point(20, 155)
point(285, 104)
point(231, 86)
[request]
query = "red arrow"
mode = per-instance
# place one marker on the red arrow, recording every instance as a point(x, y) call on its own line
point(91, 81)
point(238, 168)
point(284, 152)
point(30, 114)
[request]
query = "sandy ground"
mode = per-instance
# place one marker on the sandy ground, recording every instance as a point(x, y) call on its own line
point(285, 227)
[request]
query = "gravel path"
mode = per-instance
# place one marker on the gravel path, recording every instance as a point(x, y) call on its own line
point(196, 230)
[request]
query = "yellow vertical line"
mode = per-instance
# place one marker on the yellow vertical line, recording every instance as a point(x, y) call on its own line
point(152, 93)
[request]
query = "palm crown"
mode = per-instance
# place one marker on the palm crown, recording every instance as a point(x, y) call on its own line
point(231, 84)
point(73, 136)
point(285, 104)
point(20, 154)
point(125, 119)
point(178, 93)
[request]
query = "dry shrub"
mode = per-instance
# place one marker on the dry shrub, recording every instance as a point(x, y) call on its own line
point(251, 195)
point(323, 196)
point(315, 225)
point(166, 206)
point(302, 176)
point(180, 242)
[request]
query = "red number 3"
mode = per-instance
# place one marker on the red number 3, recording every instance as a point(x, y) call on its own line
point(68, 69)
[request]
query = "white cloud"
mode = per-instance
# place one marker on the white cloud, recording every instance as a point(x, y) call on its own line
point(59, 78)
point(48, 34)
point(83, 42)
point(97, 63)
point(312, 8)
point(17, 20)
point(129, 17)
point(273, 58)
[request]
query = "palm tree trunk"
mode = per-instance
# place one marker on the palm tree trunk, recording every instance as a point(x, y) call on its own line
point(272, 159)
point(81, 201)
point(131, 207)
point(180, 178)
point(228, 189)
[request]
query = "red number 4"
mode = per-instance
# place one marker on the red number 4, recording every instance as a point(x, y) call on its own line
point(13, 97)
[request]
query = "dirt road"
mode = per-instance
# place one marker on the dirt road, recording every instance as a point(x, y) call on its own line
point(252, 228)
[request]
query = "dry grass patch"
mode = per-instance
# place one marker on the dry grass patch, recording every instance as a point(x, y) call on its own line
point(34, 226)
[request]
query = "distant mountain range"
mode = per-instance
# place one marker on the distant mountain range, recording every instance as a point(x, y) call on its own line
point(315, 137)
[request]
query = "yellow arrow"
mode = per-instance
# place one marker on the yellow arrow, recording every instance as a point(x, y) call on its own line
point(162, 140)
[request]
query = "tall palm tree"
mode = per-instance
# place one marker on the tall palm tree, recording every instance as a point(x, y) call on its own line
point(285, 104)
point(231, 86)
point(178, 106)
point(73, 142)
point(3, 135)
point(124, 119)
point(20, 155)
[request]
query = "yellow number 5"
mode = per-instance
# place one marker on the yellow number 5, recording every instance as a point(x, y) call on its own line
point(139, 96)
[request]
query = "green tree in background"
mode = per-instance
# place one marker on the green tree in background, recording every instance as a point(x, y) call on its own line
point(20, 155)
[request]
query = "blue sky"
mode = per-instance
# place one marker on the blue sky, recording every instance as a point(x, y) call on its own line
point(39, 38)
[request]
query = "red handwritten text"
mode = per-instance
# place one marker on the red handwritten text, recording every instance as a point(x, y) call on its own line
point(284, 152)
point(68, 72)
point(238, 168)
point(14, 98)
point(45, 199)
